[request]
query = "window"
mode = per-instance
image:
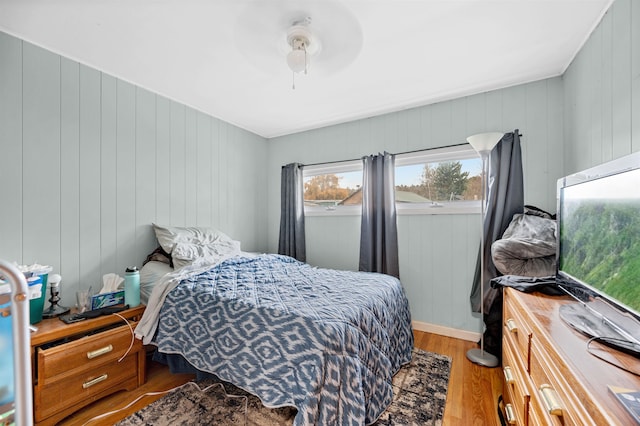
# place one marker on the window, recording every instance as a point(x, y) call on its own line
point(333, 187)
point(444, 180)
point(436, 181)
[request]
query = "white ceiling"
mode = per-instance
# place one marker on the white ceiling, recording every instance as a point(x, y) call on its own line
point(227, 57)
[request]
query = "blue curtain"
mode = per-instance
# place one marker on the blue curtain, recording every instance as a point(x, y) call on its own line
point(292, 240)
point(378, 233)
point(505, 197)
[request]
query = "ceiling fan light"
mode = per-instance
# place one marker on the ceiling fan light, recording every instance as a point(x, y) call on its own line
point(299, 38)
point(297, 60)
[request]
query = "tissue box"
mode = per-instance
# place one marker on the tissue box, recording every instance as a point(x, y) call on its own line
point(107, 299)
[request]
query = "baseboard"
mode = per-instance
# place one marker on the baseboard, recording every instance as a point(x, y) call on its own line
point(471, 336)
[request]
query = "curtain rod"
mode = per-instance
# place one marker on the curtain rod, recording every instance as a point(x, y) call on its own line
point(397, 153)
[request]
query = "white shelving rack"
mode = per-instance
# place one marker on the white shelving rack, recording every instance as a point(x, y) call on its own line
point(19, 312)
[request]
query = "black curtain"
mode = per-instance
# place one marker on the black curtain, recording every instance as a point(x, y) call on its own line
point(505, 197)
point(292, 241)
point(378, 231)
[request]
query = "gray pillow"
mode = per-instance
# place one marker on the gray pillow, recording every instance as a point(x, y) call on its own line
point(527, 247)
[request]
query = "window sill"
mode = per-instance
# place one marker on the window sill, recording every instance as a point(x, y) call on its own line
point(459, 207)
point(337, 211)
point(401, 210)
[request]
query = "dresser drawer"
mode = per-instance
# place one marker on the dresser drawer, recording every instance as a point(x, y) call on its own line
point(552, 398)
point(86, 353)
point(534, 419)
point(80, 388)
point(517, 328)
point(516, 386)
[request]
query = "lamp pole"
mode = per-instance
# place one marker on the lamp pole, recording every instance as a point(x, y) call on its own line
point(483, 144)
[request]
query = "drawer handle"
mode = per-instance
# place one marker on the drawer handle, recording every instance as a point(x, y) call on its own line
point(95, 381)
point(99, 352)
point(550, 399)
point(512, 326)
point(511, 415)
point(508, 375)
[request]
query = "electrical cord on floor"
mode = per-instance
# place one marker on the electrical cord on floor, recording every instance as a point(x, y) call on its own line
point(227, 395)
point(109, 413)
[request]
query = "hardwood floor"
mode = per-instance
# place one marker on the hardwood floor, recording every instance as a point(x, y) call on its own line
point(471, 399)
point(473, 390)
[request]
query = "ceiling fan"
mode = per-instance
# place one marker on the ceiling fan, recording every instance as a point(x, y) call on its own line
point(318, 37)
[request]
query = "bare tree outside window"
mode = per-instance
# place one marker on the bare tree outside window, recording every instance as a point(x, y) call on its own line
point(328, 189)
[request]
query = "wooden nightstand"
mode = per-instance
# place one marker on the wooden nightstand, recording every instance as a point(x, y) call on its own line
point(76, 364)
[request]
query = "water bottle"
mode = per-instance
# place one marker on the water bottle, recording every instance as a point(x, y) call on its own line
point(132, 287)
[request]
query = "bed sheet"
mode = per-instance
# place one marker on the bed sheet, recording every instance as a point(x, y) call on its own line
point(150, 274)
point(327, 342)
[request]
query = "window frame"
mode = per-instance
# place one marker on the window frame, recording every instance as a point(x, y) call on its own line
point(434, 155)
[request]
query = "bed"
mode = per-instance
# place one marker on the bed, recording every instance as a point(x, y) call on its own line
point(324, 341)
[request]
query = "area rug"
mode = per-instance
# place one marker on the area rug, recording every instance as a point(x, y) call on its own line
point(420, 392)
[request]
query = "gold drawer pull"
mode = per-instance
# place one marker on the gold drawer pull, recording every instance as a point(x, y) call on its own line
point(95, 381)
point(550, 399)
point(508, 375)
point(98, 352)
point(511, 416)
point(511, 325)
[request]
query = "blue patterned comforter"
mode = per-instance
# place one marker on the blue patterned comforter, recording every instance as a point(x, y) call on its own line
point(327, 342)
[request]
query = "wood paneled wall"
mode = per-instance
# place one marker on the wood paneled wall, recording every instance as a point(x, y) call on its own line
point(89, 161)
point(588, 116)
point(437, 252)
point(602, 91)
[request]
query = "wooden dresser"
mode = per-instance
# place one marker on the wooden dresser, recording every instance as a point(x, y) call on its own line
point(76, 364)
point(549, 376)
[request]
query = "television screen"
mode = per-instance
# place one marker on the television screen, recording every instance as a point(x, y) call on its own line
point(599, 241)
point(600, 234)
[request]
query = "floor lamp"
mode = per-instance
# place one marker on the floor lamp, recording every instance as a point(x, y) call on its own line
point(483, 143)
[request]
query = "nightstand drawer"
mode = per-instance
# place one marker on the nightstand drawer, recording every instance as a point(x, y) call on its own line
point(76, 364)
point(82, 387)
point(86, 353)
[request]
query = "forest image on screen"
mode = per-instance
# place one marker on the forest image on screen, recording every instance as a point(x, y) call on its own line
point(600, 242)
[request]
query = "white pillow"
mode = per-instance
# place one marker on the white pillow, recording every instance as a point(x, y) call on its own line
point(169, 236)
point(193, 253)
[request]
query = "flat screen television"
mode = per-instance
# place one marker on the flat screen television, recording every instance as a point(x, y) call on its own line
point(598, 254)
